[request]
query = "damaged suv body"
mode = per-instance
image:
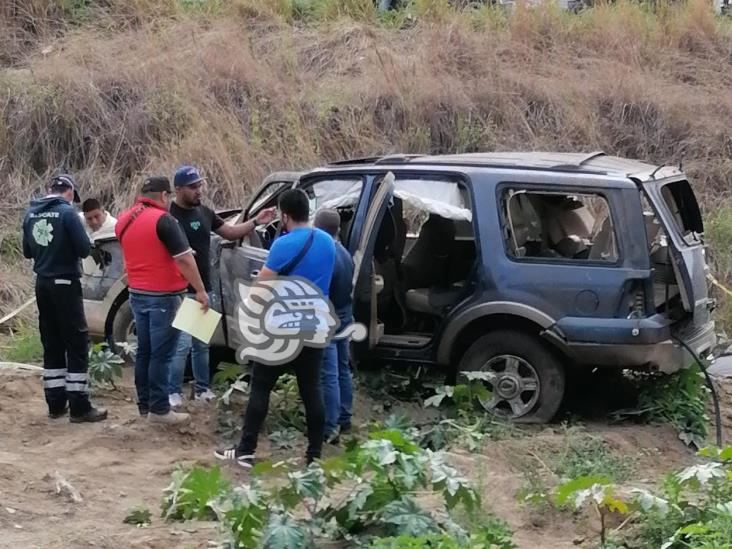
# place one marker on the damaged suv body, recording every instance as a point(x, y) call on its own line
point(518, 265)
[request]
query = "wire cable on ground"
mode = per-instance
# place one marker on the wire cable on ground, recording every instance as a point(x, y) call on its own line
point(710, 384)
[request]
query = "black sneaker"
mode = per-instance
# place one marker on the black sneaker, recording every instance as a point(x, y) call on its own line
point(332, 438)
point(59, 413)
point(345, 428)
point(234, 454)
point(91, 416)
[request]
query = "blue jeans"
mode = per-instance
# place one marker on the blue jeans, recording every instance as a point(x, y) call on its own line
point(335, 380)
point(199, 360)
point(156, 343)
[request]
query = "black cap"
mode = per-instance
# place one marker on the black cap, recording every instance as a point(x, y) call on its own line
point(65, 180)
point(156, 184)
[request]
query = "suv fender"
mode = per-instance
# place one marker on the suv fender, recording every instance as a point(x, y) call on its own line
point(531, 318)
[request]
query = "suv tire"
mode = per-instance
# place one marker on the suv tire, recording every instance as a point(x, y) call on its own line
point(530, 375)
point(122, 327)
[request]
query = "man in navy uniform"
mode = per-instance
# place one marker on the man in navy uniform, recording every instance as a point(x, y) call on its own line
point(54, 237)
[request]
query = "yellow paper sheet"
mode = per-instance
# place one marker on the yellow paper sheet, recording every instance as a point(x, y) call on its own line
point(192, 320)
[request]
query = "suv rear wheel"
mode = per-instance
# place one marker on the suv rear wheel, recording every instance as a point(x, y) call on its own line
point(527, 379)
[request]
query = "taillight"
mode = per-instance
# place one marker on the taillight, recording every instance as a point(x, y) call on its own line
point(634, 300)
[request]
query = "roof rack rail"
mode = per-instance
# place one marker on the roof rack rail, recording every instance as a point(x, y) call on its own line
point(361, 160)
point(579, 164)
point(397, 158)
point(591, 156)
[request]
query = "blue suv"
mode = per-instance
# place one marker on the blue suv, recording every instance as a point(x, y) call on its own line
point(526, 266)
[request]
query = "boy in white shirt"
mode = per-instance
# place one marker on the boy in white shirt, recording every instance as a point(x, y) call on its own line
point(97, 222)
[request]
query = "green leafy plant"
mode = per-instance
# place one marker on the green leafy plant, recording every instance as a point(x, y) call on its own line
point(191, 492)
point(227, 374)
point(694, 509)
point(284, 439)
point(375, 486)
point(467, 423)
point(139, 517)
point(680, 399)
point(238, 387)
point(286, 407)
point(597, 492)
point(465, 396)
point(243, 512)
point(104, 366)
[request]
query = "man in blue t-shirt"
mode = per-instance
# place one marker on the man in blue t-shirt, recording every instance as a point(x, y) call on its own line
point(316, 265)
point(335, 377)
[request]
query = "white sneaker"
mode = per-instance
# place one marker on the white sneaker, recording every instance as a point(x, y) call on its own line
point(207, 396)
point(176, 400)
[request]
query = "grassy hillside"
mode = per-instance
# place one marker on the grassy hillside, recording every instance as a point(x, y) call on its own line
point(114, 89)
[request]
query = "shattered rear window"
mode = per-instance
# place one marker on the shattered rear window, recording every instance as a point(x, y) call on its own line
point(681, 203)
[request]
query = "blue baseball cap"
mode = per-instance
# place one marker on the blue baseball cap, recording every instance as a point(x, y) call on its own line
point(186, 175)
point(66, 180)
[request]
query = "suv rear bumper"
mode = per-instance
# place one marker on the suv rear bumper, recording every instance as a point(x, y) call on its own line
point(666, 356)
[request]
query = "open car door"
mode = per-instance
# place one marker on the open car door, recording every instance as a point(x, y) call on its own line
point(242, 261)
point(677, 207)
point(365, 280)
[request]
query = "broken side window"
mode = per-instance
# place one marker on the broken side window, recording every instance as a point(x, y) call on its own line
point(559, 225)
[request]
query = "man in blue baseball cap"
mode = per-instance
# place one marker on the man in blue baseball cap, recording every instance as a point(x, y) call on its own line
point(197, 221)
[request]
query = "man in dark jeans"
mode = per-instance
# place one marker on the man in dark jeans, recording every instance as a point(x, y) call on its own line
point(160, 265)
point(197, 221)
point(336, 374)
point(54, 238)
point(286, 258)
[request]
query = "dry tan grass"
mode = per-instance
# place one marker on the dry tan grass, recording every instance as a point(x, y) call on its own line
point(131, 88)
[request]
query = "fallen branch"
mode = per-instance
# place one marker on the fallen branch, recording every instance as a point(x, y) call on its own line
point(15, 313)
point(19, 366)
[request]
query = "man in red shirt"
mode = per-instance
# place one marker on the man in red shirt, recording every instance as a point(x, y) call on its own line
point(160, 265)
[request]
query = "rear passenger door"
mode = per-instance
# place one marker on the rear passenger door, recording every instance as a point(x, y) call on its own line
point(565, 256)
point(364, 275)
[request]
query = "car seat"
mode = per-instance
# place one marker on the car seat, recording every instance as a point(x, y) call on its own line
point(426, 267)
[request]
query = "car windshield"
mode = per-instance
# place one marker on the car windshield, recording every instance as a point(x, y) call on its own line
point(266, 195)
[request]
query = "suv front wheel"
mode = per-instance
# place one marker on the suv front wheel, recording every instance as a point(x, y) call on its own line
point(526, 378)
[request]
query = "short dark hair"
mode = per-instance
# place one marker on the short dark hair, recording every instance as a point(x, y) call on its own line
point(91, 204)
point(58, 189)
point(329, 220)
point(294, 203)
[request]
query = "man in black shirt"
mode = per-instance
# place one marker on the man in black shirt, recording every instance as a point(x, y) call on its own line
point(197, 222)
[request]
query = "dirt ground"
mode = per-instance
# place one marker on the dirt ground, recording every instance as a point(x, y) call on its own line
point(124, 463)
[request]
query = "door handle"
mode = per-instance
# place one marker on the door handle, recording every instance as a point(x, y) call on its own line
point(254, 273)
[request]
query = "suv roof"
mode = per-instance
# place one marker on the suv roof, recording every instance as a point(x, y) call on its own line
point(591, 163)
